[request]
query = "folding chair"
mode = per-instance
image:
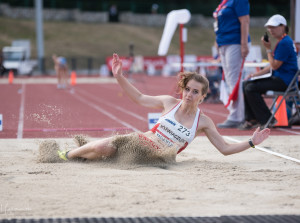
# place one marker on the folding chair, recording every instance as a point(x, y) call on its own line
point(291, 93)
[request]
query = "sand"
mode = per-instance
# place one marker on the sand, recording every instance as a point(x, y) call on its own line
point(202, 182)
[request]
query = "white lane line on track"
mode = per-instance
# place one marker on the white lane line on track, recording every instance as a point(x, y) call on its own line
point(21, 113)
point(77, 129)
point(266, 150)
point(289, 131)
point(114, 106)
point(214, 112)
point(103, 111)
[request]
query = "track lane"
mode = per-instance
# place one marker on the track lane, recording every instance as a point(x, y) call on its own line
point(61, 114)
point(115, 102)
point(10, 98)
point(58, 109)
point(104, 111)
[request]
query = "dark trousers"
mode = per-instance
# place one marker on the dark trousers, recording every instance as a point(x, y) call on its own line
point(255, 106)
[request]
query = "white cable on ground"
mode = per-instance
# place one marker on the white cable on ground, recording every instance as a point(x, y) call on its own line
point(266, 150)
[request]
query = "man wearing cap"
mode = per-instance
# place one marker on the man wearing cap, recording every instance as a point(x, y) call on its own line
point(283, 66)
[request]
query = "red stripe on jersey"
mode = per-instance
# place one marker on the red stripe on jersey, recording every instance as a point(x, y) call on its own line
point(171, 109)
point(154, 129)
point(182, 148)
point(165, 136)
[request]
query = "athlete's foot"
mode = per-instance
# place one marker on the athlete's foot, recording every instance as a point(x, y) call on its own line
point(63, 155)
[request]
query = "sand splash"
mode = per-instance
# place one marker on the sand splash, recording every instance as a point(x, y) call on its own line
point(47, 114)
point(131, 149)
point(48, 152)
point(81, 140)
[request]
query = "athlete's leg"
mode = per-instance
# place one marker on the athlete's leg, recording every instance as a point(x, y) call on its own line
point(94, 150)
point(59, 77)
point(65, 77)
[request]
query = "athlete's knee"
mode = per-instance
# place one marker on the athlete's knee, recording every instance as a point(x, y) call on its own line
point(103, 148)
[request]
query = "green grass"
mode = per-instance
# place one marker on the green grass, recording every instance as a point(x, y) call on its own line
point(72, 39)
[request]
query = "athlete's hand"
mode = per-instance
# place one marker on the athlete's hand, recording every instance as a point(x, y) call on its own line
point(116, 66)
point(259, 136)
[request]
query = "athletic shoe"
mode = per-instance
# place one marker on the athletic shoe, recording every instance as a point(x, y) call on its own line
point(62, 155)
point(228, 124)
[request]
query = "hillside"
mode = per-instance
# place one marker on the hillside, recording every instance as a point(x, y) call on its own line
point(100, 40)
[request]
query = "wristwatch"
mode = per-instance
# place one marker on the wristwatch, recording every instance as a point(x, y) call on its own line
point(251, 143)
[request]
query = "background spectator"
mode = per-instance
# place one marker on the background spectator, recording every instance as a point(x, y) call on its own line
point(232, 36)
point(113, 13)
point(283, 66)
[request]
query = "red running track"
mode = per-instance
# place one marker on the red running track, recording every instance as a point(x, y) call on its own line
point(94, 109)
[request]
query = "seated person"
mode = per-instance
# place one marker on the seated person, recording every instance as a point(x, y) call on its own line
point(283, 66)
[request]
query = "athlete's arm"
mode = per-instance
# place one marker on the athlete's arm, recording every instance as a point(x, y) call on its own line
point(229, 148)
point(160, 102)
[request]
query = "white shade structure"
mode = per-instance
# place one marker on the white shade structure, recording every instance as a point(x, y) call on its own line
point(174, 18)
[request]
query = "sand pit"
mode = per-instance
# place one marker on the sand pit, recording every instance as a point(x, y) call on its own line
point(201, 183)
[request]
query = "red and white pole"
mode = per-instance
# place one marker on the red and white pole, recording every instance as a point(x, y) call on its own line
point(181, 47)
point(183, 39)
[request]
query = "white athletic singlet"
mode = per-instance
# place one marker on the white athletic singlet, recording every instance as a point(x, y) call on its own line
point(172, 133)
